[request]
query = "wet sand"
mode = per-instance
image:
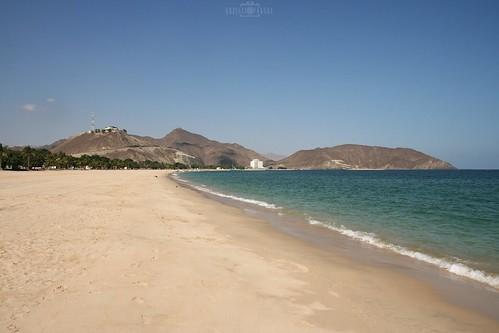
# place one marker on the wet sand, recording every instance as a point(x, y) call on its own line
point(130, 251)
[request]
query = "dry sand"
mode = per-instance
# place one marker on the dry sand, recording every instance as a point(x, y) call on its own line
point(130, 251)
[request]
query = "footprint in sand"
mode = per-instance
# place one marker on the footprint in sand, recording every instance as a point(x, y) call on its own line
point(146, 320)
point(138, 300)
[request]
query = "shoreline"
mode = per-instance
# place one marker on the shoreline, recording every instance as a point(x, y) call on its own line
point(128, 251)
point(456, 268)
point(457, 289)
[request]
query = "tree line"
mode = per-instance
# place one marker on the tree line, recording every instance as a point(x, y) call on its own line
point(29, 158)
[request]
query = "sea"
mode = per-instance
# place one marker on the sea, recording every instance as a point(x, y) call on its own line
point(445, 218)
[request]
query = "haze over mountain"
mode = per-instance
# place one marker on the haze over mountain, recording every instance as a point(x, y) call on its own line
point(351, 156)
point(274, 157)
point(181, 146)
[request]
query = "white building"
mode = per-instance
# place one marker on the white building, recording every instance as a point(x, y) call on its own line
point(108, 129)
point(256, 164)
point(111, 129)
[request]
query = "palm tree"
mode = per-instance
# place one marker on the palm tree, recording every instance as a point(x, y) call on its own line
point(27, 154)
point(1, 155)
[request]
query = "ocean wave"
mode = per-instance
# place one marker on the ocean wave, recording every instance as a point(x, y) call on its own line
point(233, 197)
point(203, 188)
point(456, 268)
point(453, 267)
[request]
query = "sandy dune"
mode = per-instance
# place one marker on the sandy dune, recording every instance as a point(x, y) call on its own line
point(130, 251)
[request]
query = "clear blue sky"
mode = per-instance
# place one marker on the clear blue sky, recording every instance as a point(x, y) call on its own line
point(420, 74)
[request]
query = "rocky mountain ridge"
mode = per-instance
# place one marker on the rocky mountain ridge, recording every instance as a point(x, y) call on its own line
point(191, 149)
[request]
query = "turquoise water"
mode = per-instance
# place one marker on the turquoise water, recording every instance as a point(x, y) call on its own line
point(446, 218)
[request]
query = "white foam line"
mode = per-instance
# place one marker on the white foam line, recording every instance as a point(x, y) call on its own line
point(233, 197)
point(371, 239)
point(227, 196)
point(453, 267)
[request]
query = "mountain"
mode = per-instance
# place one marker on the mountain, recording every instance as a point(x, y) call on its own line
point(351, 156)
point(53, 144)
point(210, 152)
point(274, 157)
point(177, 146)
point(193, 149)
point(119, 144)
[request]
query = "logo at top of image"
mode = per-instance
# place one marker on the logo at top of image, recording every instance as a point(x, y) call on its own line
point(250, 9)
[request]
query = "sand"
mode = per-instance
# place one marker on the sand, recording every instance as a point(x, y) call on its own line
point(130, 251)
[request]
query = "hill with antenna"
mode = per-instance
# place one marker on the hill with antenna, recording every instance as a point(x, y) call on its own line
point(178, 146)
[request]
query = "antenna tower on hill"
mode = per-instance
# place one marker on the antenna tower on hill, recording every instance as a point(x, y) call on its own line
point(92, 122)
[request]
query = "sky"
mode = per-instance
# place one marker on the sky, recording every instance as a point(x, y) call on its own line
point(302, 74)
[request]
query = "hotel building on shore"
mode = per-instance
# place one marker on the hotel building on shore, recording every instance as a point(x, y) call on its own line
point(256, 164)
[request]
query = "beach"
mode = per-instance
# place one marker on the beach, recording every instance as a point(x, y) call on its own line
point(132, 251)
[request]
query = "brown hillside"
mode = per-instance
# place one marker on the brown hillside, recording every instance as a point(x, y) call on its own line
point(209, 151)
point(122, 146)
point(351, 156)
point(177, 146)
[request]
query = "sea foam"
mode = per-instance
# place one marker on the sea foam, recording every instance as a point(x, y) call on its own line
point(453, 267)
point(233, 197)
point(456, 268)
point(203, 188)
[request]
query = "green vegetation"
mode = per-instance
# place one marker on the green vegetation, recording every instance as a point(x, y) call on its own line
point(1, 155)
point(29, 158)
